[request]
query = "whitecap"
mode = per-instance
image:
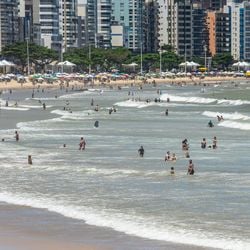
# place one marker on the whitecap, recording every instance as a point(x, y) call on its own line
point(228, 116)
point(236, 125)
point(175, 98)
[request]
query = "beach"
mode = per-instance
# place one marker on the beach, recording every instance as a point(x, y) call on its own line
point(14, 84)
point(107, 197)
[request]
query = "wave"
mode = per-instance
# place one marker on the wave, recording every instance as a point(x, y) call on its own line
point(37, 125)
point(75, 115)
point(140, 104)
point(14, 108)
point(127, 223)
point(174, 98)
point(202, 100)
point(75, 95)
point(236, 125)
point(228, 116)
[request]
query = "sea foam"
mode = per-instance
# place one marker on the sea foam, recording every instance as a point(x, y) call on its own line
point(236, 125)
point(228, 116)
point(145, 227)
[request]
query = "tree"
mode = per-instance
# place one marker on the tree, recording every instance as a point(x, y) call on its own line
point(222, 60)
point(39, 55)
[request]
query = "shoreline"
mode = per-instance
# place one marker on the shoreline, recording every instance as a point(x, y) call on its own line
point(28, 228)
point(14, 85)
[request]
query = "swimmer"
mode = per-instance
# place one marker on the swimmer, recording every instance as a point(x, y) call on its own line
point(210, 124)
point(44, 106)
point(172, 171)
point(166, 112)
point(96, 124)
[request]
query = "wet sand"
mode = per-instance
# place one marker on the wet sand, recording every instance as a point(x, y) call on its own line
point(25, 228)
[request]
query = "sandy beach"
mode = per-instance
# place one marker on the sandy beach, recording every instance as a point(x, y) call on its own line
point(13, 84)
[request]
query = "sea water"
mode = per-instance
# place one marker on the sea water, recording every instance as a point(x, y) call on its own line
point(109, 185)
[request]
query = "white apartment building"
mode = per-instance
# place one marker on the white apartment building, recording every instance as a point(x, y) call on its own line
point(240, 29)
point(163, 22)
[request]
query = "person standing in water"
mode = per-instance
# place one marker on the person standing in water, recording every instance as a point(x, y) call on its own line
point(82, 144)
point(141, 151)
point(30, 160)
point(214, 142)
point(166, 112)
point(190, 168)
point(16, 136)
point(203, 143)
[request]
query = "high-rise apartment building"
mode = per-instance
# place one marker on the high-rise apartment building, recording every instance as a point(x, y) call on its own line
point(200, 39)
point(46, 24)
point(212, 4)
point(68, 23)
point(130, 14)
point(99, 23)
point(9, 32)
point(151, 26)
point(219, 32)
point(163, 22)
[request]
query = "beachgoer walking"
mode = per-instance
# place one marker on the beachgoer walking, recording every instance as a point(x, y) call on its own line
point(190, 168)
point(141, 151)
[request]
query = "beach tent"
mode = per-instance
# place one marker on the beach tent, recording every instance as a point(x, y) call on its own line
point(132, 65)
point(4, 64)
point(241, 65)
point(187, 64)
point(66, 64)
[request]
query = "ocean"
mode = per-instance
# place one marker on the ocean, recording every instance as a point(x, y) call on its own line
point(109, 185)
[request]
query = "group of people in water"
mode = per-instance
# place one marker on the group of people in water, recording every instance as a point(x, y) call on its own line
point(185, 148)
